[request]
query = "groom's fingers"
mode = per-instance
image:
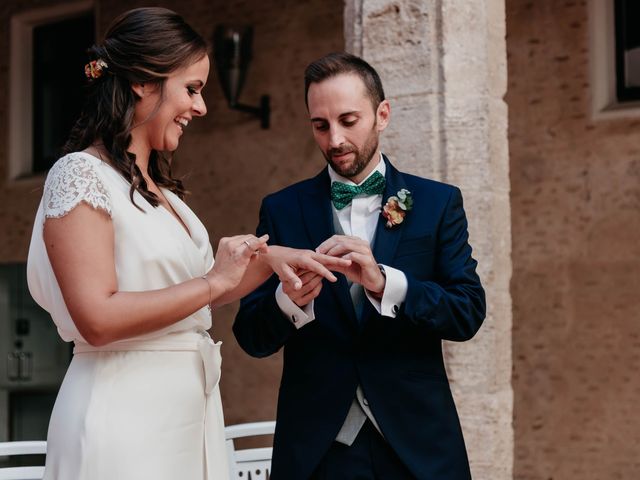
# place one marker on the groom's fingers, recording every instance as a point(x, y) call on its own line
point(361, 259)
point(312, 284)
point(287, 275)
point(312, 265)
point(330, 261)
point(309, 285)
point(338, 245)
point(320, 264)
point(338, 250)
point(341, 249)
point(310, 290)
point(306, 276)
point(330, 242)
point(310, 296)
point(310, 280)
point(305, 299)
point(343, 270)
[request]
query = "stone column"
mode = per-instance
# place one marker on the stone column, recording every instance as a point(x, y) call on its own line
point(443, 66)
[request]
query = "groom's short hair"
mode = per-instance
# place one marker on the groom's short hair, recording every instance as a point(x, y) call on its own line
point(344, 63)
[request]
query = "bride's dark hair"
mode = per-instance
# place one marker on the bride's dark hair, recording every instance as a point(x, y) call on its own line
point(144, 45)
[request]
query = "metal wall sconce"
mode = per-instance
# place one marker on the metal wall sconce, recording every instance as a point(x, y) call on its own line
point(232, 55)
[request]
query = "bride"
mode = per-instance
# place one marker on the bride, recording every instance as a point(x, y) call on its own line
point(127, 272)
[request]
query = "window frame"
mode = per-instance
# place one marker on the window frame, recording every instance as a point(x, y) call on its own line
point(21, 82)
point(604, 73)
point(623, 92)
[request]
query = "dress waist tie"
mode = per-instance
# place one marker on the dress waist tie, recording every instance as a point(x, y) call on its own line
point(190, 341)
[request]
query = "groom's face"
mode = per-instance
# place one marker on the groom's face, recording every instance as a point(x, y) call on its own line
point(345, 124)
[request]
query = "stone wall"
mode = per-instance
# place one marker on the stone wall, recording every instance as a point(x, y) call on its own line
point(576, 257)
point(443, 64)
point(229, 163)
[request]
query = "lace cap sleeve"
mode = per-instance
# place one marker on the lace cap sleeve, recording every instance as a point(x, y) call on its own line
point(73, 179)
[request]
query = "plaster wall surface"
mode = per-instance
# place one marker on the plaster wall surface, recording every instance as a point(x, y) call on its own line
point(575, 200)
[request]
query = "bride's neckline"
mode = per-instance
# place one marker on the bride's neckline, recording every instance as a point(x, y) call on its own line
point(169, 208)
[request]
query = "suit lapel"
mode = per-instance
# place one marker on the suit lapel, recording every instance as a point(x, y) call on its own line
point(316, 209)
point(318, 220)
point(386, 239)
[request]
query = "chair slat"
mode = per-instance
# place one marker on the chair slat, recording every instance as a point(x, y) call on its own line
point(23, 448)
point(249, 463)
point(249, 429)
point(22, 473)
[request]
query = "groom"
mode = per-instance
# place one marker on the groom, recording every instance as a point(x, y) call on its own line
point(364, 392)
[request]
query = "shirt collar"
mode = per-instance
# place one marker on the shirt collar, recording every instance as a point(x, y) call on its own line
point(336, 177)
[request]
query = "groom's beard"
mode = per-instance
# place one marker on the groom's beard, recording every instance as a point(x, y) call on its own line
point(362, 157)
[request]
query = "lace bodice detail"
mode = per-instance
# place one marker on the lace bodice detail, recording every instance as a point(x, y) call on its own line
point(151, 249)
point(73, 179)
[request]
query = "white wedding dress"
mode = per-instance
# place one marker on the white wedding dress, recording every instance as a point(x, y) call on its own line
point(147, 407)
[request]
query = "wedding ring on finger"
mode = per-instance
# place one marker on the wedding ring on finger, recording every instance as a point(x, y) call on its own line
point(246, 242)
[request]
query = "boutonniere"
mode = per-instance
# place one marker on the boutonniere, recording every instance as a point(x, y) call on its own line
point(397, 207)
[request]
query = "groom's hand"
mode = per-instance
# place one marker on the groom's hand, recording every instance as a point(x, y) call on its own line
point(311, 288)
point(363, 269)
point(285, 262)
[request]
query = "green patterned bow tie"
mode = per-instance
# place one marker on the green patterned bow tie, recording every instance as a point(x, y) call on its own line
point(342, 194)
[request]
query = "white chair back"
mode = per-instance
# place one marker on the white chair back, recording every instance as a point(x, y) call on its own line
point(22, 448)
point(245, 464)
point(249, 463)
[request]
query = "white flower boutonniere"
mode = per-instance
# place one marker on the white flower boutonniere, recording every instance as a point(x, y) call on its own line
point(397, 207)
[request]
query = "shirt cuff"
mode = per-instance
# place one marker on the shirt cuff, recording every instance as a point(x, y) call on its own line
point(395, 292)
point(298, 316)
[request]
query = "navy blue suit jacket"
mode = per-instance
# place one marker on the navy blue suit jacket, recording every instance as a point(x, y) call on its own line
point(397, 361)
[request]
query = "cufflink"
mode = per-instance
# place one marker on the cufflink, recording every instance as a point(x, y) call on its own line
point(395, 309)
point(294, 319)
point(365, 402)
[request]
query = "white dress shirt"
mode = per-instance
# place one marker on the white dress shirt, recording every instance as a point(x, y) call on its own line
point(359, 219)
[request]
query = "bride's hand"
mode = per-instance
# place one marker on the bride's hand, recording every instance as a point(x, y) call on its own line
point(233, 257)
point(286, 261)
